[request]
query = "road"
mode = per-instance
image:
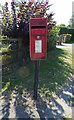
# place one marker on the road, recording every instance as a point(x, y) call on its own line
point(65, 45)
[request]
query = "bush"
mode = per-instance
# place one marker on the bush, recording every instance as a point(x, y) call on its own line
point(68, 38)
point(63, 30)
point(15, 22)
point(52, 37)
point(68, 31)
point(72, 38)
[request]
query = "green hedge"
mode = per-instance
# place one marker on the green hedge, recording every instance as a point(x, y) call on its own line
point(67, 30)
point(68, 37)
point(52, 38)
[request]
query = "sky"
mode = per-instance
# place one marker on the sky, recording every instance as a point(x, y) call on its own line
point(61, 8)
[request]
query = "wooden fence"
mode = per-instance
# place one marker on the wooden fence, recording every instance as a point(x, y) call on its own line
point(10, 65)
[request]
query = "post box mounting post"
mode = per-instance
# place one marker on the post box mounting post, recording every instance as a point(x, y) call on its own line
point(36, 79)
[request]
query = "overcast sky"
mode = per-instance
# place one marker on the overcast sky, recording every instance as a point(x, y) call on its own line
point(61, 8)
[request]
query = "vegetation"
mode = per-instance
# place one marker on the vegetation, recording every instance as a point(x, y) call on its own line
point(16, 23)
point(53, 73)
point(67, 31)
point(52, 37)
point(68, 38)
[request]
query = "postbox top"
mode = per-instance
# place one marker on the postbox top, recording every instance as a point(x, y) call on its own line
point(38, 21)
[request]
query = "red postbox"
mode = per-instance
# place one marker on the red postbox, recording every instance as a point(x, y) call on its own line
point(38, 38)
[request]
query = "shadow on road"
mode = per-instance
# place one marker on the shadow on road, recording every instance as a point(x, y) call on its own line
point(23, 106)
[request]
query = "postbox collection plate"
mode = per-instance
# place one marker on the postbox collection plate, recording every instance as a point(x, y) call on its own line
point(38, 46)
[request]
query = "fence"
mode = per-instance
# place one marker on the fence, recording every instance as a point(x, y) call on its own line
point(10, 58)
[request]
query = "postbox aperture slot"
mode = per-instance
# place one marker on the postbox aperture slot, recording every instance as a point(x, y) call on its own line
point(38, 31)
point(34, 27)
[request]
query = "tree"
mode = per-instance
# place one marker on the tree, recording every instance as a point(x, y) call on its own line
point(16, 20)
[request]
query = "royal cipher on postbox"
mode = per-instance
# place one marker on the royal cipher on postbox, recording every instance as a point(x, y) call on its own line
point(38, 38)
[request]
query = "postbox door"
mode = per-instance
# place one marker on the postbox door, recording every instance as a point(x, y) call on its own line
point(38, 43)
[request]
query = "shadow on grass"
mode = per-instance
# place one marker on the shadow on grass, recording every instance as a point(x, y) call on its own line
point(56, 70)
point(52, 73)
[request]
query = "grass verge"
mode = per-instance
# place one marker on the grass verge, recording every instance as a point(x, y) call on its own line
point(53, 73)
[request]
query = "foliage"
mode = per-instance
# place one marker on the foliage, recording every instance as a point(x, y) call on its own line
point(63, 30)
point(68, 37)
point(15, 23)
point(67, 30)
point(52, 37)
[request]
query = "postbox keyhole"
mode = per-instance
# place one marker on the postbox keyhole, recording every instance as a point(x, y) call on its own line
point(38, 37)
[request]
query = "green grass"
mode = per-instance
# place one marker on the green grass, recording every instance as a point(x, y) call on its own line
point(53, 72)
